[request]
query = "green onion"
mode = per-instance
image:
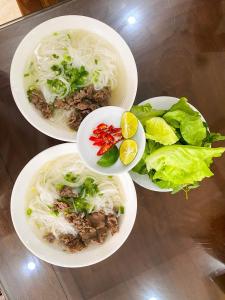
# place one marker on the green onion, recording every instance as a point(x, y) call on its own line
point(121, 210)
point(70, 177)
point(29, 212)
point(59, 186)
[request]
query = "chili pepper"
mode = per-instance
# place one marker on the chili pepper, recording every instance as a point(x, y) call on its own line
point(103, 134)
point(109, 138)
point(104, 149)
point(102, 126)
point(99, 143)
point(94, 139)
point(115, 130)
point(97, 131)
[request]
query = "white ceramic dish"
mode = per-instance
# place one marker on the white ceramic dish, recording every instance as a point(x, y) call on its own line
point(162, 102)
point(31, 40)
point(93, 253)
point(110, 115)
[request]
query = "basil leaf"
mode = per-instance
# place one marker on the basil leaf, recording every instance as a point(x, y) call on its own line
point(109, 158)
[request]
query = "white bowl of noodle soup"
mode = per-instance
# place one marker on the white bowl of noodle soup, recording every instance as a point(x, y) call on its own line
point(123, 80)
point(55, 255)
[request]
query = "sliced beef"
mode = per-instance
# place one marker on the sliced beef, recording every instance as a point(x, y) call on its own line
point(49, 237)
point(102, 234)
point(112, 223)
point(67, 191)
point(97, 219)
point(36, 97)
point(75, 119)
point(82, 224)
point(71, 242)
point(61, 104)
point(102, 96)
point(60, 206)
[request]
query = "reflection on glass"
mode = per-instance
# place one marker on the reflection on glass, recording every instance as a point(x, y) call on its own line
point(131, 20)
point(152, 298)
point(31, 266)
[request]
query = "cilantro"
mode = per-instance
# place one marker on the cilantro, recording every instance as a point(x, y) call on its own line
point(70, 177)
point(55, 55)
point(81, 205)
point(89, 188)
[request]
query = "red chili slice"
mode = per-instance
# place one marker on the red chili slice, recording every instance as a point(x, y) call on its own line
point(99, 143)
point(116, 130)
point(104, 149)
point(109, 138)
point(95, 139)
point(97, 131)
point(102, 126)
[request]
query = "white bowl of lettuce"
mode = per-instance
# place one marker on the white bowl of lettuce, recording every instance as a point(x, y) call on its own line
point(179, 151)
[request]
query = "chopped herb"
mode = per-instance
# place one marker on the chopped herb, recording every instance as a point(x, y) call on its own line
point(26, 74)
point(67, 58)
point(70, 177)
point(89, 188)
point(100, 194)
point(55, 33)
point(55, 56)
point(37, 80)
point(76, 77)
point(81, 205)
point(68, 35)
point(29, 212)
point(96, 61)
point(110, 177)
point(57, 69)
point(54, 213)
point(57, 86)
point(121, 210)
point(59, 186)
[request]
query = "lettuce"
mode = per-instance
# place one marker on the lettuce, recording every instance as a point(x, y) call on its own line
point(178, 166)
point(145, 112)
point(189, 122)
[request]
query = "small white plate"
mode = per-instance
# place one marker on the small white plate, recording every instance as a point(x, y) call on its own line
point(127, 87)
point(161, 102)
point(110, 115)
point(93, 253)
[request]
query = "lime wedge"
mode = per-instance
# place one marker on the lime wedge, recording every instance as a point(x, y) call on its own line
point(129, 124)
point(128, 151)
point(159, 131)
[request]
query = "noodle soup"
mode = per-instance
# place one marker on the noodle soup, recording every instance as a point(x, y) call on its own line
point(71, 207)
point(72, 73)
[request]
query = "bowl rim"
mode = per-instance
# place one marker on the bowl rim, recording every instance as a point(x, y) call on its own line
point(42, 126)
point(56, 151)
point(142, 180)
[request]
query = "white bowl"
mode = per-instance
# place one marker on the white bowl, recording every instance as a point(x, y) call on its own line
point(110, 115)
point(164, 103)
point(124, 98)
point(93, 253)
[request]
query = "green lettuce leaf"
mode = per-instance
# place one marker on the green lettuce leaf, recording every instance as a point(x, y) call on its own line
point(183, 105)
point(181, 165)
point(145, 112)
point(193, 130)
point(191, 126)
